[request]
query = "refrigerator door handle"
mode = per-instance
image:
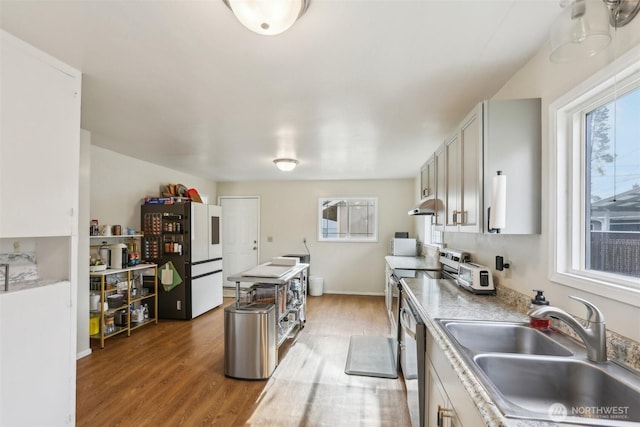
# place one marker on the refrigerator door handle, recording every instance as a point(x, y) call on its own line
point(206, 274)
point(206, 261)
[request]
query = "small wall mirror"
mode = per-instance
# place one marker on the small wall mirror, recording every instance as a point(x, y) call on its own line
point(348, 219)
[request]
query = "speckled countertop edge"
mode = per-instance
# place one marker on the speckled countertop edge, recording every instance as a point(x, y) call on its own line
point(31, 284)
point(444, 299)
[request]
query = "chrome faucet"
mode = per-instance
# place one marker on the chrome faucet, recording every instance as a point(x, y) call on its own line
point(594, 333)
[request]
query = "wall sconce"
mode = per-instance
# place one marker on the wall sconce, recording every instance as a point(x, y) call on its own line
point(267, 17)
point(582, 30)
point(286, 165)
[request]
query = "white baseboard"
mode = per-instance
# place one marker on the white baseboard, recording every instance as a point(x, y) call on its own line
point(372, 294)
point(83, 353)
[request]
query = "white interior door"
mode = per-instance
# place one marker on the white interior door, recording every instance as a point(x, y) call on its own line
point(240, 234)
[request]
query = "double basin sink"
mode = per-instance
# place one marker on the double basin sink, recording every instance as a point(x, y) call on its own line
point(544, 375)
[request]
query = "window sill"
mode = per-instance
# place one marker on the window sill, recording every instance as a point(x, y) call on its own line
point(612, 291)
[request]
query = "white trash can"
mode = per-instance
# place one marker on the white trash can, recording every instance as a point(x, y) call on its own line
point(315, 286)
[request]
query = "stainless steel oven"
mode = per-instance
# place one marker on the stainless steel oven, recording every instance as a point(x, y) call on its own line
point(393, 289)
point(412, 359)
point(393, 296)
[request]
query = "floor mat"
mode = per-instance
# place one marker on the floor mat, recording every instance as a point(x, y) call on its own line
point(371, 357)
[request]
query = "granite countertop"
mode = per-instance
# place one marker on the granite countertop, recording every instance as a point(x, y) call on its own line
point(32, 284)
point(443, 298)
point(412, 263)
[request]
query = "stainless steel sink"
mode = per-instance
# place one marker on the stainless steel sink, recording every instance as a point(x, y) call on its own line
point(502, 337)
point(545, 376)
point(529, 386)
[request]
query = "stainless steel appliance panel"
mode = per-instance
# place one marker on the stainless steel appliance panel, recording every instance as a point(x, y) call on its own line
point(412, 360)
point(250, 348)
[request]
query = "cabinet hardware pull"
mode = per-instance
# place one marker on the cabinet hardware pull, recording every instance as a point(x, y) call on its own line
point(442, 414)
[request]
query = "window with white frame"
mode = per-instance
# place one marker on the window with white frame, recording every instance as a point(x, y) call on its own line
point(348, 219)
point(596, 184)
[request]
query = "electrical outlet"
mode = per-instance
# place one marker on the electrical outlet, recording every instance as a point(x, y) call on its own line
point(179, 305)
point(16, 247)
point(304, 240)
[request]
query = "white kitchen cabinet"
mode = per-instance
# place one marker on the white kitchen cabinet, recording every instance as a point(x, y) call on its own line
point(441, 188)
point(428, 178)
point(498, 135)
point(439, 411)
point(447, 402)
point(464, 175)
point(452, 173)
point(470, 177)
point(39, 142)
point(512, 134)
point(37, 357)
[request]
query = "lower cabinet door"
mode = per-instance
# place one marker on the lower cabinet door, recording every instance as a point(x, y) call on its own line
point(37, 357)
point(439, 410)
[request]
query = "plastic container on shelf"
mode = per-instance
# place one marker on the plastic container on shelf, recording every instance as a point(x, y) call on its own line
point(94, 324)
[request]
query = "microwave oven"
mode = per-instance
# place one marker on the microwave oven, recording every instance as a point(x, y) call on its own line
point(404, 247)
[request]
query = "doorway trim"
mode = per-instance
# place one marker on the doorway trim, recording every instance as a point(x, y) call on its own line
point(228, 290)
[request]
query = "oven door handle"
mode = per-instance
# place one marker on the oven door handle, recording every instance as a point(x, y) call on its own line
point(404, 315)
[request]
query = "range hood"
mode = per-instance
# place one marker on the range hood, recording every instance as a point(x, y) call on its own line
point(426, 207)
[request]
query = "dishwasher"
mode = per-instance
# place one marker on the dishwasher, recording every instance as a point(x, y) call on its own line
point(412, 359)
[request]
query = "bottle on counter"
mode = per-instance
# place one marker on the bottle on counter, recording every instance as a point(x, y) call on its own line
point(535, 322)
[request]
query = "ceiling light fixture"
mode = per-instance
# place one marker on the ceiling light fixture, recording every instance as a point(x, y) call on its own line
point(286, 165)
point(267, 17)
point(582, 30)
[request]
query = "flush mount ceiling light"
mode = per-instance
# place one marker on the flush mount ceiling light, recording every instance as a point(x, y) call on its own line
point(582, 30)
point(286, 165)
point(267, 17)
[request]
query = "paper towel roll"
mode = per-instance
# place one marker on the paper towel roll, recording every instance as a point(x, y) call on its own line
point(498, 218)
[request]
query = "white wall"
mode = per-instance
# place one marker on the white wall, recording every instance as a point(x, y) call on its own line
point(119, 183)
point(529, 254)
point(117, 186)
point(83, 347)
point(289, 213)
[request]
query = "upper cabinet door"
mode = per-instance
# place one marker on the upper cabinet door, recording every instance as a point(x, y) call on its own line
point(452, 201)
point(470, 180)
point(428, 179)
point(39, 142)
point(512, 145)
point(441, 188)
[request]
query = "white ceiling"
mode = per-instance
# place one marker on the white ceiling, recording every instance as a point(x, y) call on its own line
point(357, 89)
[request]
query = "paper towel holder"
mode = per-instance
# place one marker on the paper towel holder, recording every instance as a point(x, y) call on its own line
point(491, 229)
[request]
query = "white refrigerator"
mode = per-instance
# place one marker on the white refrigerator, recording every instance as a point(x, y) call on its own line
point(188, 235)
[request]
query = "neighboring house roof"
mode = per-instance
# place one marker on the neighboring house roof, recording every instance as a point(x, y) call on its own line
point(626, 202)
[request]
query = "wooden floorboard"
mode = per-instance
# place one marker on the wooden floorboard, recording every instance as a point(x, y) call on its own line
point(172, 374)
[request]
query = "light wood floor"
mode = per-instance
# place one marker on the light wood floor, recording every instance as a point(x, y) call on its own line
point(172, 374)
